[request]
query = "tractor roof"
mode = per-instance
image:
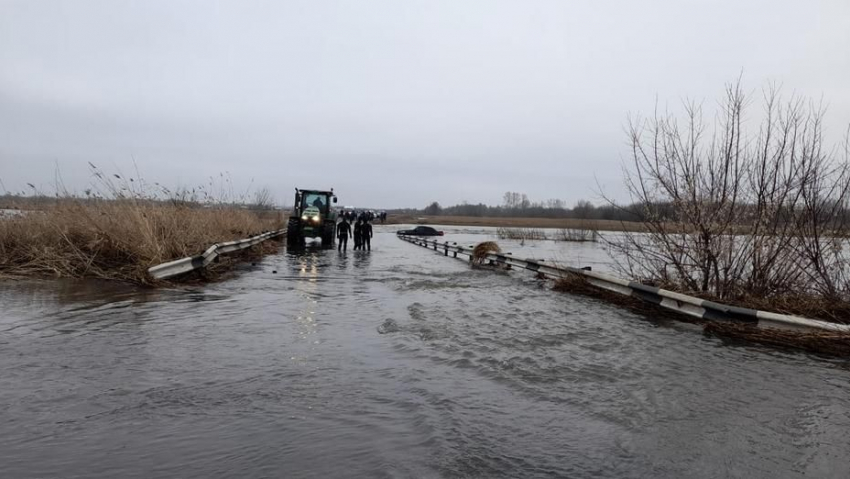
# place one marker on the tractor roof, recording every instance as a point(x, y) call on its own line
point(303, 190)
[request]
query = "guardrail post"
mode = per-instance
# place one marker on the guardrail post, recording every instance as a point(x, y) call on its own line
point(446, 250)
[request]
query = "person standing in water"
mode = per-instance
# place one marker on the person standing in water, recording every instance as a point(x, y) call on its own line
point(358, 231)
point(343, 231)
point(366, 236)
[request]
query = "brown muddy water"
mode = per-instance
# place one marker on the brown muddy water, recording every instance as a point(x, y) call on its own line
point(396, 363)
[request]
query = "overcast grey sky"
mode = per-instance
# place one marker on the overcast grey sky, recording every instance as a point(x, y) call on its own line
point(392, 103)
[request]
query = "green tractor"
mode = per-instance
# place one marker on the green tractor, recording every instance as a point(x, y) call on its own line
point(312, 217)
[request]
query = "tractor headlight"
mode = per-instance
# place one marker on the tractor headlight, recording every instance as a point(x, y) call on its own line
point(315, 219)
point(304, 218)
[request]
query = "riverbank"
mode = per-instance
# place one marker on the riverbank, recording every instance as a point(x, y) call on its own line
point(121, 239)
point(508, 222)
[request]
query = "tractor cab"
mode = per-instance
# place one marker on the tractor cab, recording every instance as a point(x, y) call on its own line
point(313, 217)
point(319, 200)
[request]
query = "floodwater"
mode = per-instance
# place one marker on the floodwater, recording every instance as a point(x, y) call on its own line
point(396, 363)
point(5, 213)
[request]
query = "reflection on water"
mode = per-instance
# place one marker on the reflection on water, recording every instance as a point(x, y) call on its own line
point(396, 363)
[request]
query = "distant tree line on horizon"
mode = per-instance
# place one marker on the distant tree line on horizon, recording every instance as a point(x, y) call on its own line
point(662, 211)
point(516, 204)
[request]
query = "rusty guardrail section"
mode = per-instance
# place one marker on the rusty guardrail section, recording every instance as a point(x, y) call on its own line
point(678, 302)
point(191, 263)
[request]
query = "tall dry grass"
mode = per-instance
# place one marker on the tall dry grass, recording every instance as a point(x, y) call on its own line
point(536, 234)
point(522, 234)
point(120, 229)
point(577, 235)
point(117, 239)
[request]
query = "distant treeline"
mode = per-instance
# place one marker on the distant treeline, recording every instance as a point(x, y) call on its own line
point(518, 205)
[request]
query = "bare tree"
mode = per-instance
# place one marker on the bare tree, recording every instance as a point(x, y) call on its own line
point(732, 212)
point(513, 200)
point(433, 209)
point(263, 199)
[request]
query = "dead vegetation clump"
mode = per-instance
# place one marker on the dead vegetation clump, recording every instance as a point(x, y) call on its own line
point(575, 284)
point(481, 250)
point(796, 304)
point(819, 342)
point(521, 234)
point(580, 235)
point(120, 234)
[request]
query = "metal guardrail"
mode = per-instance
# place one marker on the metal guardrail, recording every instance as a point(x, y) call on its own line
point(191, 263)
point(678, 302)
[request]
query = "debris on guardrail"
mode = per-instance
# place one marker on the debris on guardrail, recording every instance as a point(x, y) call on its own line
point(481, 250)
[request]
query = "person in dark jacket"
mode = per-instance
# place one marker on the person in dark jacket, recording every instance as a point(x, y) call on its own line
point(343, 231)
point(366, 236)
point(358, 232)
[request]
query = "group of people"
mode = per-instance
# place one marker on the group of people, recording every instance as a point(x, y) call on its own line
point(362, 233)
point(352, 216)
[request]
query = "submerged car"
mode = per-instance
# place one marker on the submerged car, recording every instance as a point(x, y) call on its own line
point(421, 231)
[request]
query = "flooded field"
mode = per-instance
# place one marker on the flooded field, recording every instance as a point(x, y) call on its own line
point(5, 213)
point(396, 363)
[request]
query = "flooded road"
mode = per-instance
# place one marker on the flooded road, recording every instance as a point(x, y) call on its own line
point(395, 363)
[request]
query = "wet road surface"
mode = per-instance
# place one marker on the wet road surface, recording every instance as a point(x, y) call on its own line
point(395, 363)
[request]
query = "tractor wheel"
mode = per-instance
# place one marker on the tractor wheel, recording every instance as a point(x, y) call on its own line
point(328, 236)
point(294, 238)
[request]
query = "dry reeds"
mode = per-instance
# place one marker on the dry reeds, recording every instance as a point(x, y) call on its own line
point(820, 342)
point(575, 284)
point(536, 234)
point(121, 228)
point(117, 239)
point(576, 235)
point(797, 304)
point(521, 234)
